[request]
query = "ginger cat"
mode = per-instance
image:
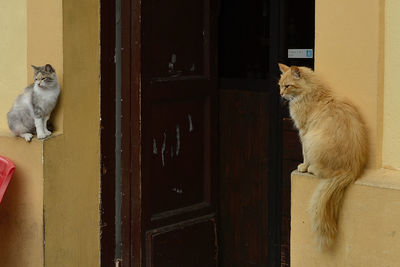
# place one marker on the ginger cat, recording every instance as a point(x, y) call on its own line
point(334, 142)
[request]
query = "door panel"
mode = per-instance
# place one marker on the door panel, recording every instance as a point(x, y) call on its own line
point(244, 178)
point(184, 244)
point(181, 32)
point(178, 159)
point(178, 133)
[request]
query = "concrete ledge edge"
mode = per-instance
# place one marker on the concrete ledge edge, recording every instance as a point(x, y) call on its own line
point(380, 178)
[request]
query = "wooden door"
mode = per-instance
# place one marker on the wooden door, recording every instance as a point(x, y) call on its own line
point(174, 133)
point(169, 134)
point(250, 126)
point(244, 177)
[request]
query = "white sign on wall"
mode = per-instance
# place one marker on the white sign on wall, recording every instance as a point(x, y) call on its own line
point(300, 53)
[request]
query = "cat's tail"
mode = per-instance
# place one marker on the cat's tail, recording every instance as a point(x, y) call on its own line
point(324, 208)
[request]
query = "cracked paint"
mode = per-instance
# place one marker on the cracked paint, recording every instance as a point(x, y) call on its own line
point(178, 140)
point(154, 147)
point(172, 63)
point(190, 123)
point(177, 190)
point(163, 149)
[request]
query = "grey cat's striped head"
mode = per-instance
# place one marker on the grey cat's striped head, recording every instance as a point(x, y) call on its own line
point(45, 76)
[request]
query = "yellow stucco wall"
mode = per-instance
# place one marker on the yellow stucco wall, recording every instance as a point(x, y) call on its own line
point(72, 159)
point(391, 119)
point(369, 229)
point(13, 55)
point(349, 56)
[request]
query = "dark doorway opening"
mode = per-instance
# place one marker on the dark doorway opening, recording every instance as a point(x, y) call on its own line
point(258, 145)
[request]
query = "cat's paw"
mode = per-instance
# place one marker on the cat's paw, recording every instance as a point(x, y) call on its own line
point(302, 167)
point(41, 136)
point(311, 169)
point(27, 136)
point(47, 133)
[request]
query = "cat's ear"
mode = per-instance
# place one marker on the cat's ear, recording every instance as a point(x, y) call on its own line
point(35, 69)
point(283, 67)
point(48, 68)
point(295, 72)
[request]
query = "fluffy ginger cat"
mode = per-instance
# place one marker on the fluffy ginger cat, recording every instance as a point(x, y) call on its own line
point(32, 109)
point(334, 142)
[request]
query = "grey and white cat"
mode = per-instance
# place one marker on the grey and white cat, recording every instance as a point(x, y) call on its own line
point(32, 109)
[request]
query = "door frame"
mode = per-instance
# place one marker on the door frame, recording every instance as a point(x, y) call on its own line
point(107, 132)
point(129, 145)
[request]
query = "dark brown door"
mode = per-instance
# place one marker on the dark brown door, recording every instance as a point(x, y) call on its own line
point(169, 132)
point(174, 133)
point(250, 140)
point(244, 177)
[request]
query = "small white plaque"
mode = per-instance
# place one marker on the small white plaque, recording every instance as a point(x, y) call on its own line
point(300, 53)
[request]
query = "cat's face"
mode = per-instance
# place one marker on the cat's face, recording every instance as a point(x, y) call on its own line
point(291, 82)
point(45, 76)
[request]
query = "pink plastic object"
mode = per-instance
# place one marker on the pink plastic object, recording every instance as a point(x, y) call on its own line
point(7, 169)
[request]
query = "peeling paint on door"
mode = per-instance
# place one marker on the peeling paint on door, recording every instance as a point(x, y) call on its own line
point(154, 146)
point(190, 123)
point(177, 190)
point(172, 63)
point(163, 149)
point(178, 140)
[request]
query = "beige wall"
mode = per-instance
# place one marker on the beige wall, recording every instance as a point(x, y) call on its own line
point(391, 119)
point(369, 229)
point(349, 55)
point(72, 159)
point(13, 55)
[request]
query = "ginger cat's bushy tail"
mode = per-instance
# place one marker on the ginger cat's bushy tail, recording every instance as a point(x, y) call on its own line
point(324, 208)
point(334, 142)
